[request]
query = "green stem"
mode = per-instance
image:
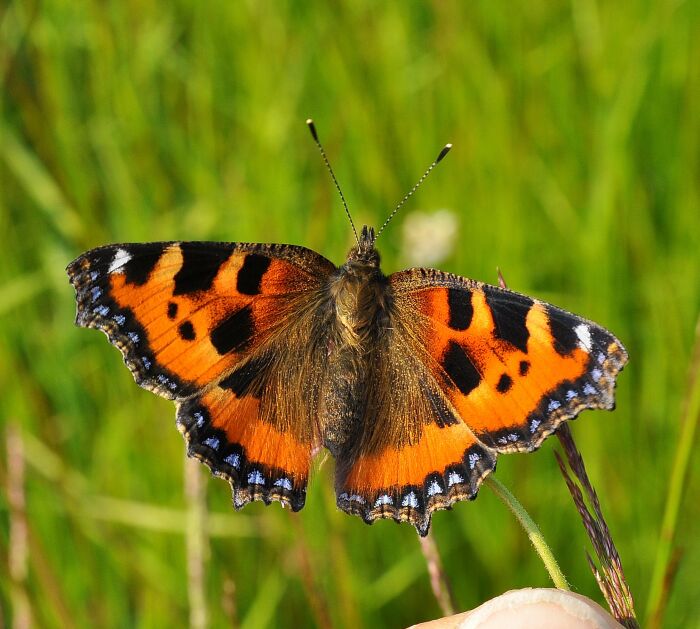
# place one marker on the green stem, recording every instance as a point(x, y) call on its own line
point(532, 530)
point(676, 488)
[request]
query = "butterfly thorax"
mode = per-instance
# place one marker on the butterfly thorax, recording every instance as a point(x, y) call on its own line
point(360, 293)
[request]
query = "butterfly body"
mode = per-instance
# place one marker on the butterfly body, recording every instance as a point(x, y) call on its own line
point(415, 382)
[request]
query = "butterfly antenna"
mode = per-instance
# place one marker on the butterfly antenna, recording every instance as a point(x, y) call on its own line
point(314, 135)
point(445, 150)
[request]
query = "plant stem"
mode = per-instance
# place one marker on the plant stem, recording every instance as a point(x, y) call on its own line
point(197, 544)
point(676, 489)
point(438, 578)
point(532, 530)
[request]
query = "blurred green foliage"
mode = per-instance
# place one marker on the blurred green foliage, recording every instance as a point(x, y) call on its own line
point(576, 128)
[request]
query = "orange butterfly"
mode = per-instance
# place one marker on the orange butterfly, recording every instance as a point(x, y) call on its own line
point(415, 382)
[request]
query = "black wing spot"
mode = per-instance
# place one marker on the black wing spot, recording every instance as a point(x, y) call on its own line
point(509, 312)
point(186, 331)
point(235, 332)
point(200, 267)
point(251, 273)
point(505, 382)
point(460, 368)
point(172, 310)
point(562, 328)
point(460, 307)
point(142, 262)
point(524, 367)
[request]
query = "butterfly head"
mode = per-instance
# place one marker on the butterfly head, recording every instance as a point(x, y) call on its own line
point(364, 253)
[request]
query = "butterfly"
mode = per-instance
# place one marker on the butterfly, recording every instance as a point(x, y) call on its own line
point(415, 382)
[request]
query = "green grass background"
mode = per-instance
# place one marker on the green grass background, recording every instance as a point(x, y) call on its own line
point(575, 169)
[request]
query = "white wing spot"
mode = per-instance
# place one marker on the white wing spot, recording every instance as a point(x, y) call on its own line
point(134, 337)
point(596, 374)
point(601, 358)
point(534, 424)
point(121, 257)
point(384, 499)
point(146, 362)
point(410, 500)
point(119, 319)
point(232, 459)
point(212, 442)
point(503, 441)
point(589, 389)
point(199, 418)
point(95, 291)
point(553, 405)
point(357, 498)
point(284, 483)
point(101, 310)
point(584, 336)
point(256, 478)
point(454, 479)
point(434, 488)
point(94, 275)
point(570, 394)
point(473, 458)
point(513, 437)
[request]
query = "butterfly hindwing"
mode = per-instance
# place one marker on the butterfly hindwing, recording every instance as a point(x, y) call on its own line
point(442, 465)
point(225, 430)
point(221, 328)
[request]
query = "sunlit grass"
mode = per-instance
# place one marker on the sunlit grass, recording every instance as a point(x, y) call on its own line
point(574, 169)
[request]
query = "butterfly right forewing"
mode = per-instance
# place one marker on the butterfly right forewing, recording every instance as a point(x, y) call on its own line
point(513, 367)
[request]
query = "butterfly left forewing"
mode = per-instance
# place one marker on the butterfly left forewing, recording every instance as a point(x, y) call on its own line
point(184, 313)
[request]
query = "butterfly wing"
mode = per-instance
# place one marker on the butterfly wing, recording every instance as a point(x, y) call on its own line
point(483, 371)
point(222, 329)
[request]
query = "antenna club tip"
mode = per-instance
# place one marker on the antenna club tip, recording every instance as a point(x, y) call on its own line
point(445, 151)
point(312, 128)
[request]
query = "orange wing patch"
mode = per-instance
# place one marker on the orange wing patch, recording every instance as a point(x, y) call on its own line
point(240, 419)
